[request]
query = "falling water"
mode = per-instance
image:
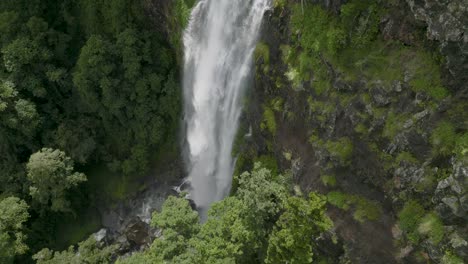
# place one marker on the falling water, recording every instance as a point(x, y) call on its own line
point(219, 44)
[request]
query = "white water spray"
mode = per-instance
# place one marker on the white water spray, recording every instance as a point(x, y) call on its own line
point(219, 44)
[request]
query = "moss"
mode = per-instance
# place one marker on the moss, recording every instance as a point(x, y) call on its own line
point(262, 52)
point(293, 76)
point(426, 75)
point(409, 218)
point(269, 121)
point(328, 180)
point(432, 226)
point(286, 53)
point(443, 138)
point(279, 3)
point(277, 104)
point(338, 199)
point(269, 162)
point(314, 140)
point(393, 124)
point(366, 209)
point(427, 183)
point(342, 149)
point(321, 110)
point(461, 146)
point(287, 155)
point(311, 23)
point(361, 129)
point(450, 258)
point(361, 20)
point(405, 156)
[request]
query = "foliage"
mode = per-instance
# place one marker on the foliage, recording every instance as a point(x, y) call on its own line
point(269, 162)
point(247, 227)
point(432, 226)
point(88, 252)
point(92, 79)
point(443, 138)
point(292, 238)
point(361, 20)
point(364, 209)
point(279, 3)
point(262, 51)
point(393, 125)
point(51, 174)
point(409, 218)
point(451, 258)
point(339, 200)
point(13, 216)
point(461, 146)
point(341, 149)
point(269, 120)
point(328, 180)
point(123, 94)
point(427, 77)
point(178, 222)
point(405, 156)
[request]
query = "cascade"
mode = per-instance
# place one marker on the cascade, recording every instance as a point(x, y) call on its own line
point(219, 43)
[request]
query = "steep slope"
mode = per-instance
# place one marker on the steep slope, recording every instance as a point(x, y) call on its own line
point(366, 101)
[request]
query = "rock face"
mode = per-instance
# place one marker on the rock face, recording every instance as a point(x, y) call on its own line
point(452, 192)
point(127, 224)
point(447, 23)
point(373, 134)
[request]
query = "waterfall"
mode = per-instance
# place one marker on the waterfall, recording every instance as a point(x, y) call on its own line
point(219, 43)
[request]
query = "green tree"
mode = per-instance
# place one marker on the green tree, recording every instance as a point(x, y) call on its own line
point(292, 239)
point(51, 175)
point(13, 215)
point(178, 223)
point(88, 252)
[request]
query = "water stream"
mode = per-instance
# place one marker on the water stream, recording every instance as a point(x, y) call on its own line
point(219, 43)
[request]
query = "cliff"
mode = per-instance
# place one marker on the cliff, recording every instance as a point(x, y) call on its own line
point(366, 102)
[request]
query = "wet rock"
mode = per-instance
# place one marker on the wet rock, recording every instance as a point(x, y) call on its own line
point(397, 86)
point(101, 236)
point(123, 245)
point(380, 97)
point(137, 232)
point(447, 23)
point(404, 252)
point(296, 168)
point(451, 193)
point(328, 245)
point(341, 85)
